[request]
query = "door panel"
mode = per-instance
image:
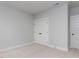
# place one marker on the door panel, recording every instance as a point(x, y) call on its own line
point(41, 30)
point(75, 31)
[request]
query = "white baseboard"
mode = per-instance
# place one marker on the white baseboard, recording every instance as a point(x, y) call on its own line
point(40, 43)
point(17, 46)
point(26, 44)
point(63, 49)
point(44, 44)
point(52, 46)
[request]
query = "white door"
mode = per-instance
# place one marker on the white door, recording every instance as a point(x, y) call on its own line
point(41, 30)
point(74, 31)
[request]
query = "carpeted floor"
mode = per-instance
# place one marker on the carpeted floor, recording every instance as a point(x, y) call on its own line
point(39, 51)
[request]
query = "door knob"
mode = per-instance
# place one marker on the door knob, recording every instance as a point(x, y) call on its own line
point(73, 34)
point(40, 33)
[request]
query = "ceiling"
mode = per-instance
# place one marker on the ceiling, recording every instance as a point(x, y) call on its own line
point(30, 6)
point(74, 4)
point(34, 7)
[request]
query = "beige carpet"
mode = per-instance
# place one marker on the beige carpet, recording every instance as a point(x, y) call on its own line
point(39, 51)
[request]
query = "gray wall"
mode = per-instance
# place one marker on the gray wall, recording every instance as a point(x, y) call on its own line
point(74, 11)
point(58, 17)
point(15, 27)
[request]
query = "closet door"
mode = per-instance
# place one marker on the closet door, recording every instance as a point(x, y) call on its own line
point(75, 31)
point(41, 30)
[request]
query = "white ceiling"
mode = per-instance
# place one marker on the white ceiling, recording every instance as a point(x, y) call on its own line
point(35, 6)
point(74, 4)
point(30, 6)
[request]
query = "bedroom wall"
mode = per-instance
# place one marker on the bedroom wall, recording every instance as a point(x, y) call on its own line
point(16, 27)
point(58, 25)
